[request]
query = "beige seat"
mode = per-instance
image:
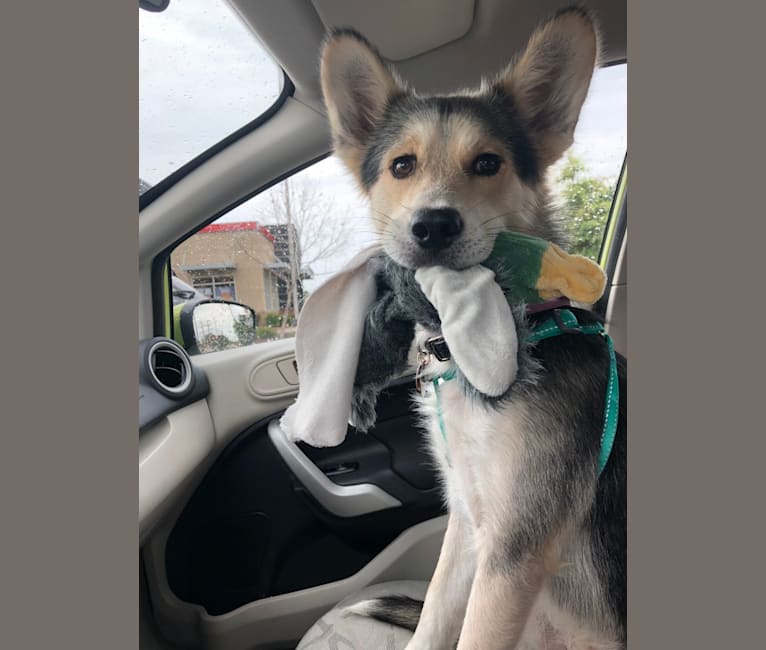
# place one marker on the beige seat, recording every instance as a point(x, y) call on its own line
point(339, 630)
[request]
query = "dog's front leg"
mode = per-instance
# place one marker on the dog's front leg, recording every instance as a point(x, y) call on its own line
point(501, 599)
point(447, 596)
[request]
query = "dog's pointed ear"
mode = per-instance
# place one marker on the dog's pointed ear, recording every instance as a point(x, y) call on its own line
point(357, 86)
point(550, 79)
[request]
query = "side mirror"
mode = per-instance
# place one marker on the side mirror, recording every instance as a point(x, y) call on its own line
point(210, 325)
point(154, 5)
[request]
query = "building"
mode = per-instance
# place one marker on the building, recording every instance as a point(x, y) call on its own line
point(231, 261)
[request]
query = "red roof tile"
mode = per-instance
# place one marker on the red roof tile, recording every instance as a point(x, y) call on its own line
point(238, 226)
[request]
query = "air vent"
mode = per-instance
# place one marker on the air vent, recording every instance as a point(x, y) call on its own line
point(170, 368)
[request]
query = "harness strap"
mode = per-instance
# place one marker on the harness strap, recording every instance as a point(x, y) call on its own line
point(447, 376)
point(610, 410)
point(565, 322)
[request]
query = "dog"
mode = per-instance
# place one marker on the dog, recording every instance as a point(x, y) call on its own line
point(536, 537)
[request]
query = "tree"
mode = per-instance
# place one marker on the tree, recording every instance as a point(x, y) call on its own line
point(307, 228)
point(314, 228)
point(244, 330)
point(215, 343)
point(588, 200)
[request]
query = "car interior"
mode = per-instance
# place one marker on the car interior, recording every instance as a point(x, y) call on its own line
point(247, 539)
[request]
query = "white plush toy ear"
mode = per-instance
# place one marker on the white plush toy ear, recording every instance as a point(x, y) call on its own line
point(327, 345)
point(477, 324)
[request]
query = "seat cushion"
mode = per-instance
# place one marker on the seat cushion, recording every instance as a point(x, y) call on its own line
point(339, 630)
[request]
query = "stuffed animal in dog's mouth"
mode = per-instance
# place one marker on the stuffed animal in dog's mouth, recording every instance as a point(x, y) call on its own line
point(355, 332)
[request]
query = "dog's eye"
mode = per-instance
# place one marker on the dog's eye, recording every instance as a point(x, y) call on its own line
point(487, 164)
point(403, 166)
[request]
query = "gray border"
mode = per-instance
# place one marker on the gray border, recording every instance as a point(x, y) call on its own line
point(68, 465)
point(695, 388)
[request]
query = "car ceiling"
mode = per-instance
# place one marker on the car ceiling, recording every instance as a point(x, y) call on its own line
point(433, 49)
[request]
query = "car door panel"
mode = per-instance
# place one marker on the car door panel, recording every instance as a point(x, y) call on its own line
point(241, 528)
point(253, 529)
point(246, 386)
point(179, 442)
point(169, 453)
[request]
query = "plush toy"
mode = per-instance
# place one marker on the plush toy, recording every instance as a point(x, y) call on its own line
point(538, 270)
point(356, 331)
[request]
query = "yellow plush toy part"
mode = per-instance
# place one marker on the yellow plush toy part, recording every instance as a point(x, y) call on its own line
point(574, 276)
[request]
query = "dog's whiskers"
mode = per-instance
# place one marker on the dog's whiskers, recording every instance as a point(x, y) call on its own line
point(497, 217)
point(406, 207)
point(382, 214)
point(476, 205)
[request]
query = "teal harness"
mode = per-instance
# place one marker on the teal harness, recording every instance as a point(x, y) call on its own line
point(564, 322)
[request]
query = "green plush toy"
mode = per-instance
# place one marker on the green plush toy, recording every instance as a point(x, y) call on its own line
point(540, 271)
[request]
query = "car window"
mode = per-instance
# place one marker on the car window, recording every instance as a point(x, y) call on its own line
point(270, 252)
point(585, 180)
point(196, 86)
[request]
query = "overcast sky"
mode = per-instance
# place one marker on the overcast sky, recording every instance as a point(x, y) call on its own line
point(203, 75)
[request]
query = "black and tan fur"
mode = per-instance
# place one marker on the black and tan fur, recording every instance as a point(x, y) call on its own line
point(535, 537)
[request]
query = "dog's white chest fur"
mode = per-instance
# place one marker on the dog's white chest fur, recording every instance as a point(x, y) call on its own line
point(442, 419)
point(468, 445)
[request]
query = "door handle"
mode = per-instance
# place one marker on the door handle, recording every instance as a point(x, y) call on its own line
point(340, 500)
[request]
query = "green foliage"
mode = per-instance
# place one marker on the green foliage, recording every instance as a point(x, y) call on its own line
point(275, 319)
point(243, 328)
point(215, 343)
point(265, 333)
point(588, 200)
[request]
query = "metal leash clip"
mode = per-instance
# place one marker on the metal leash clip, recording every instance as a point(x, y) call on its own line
point(424, 358)
point(434, 347)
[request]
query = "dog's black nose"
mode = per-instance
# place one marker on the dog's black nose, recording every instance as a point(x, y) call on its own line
point(436, 228)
